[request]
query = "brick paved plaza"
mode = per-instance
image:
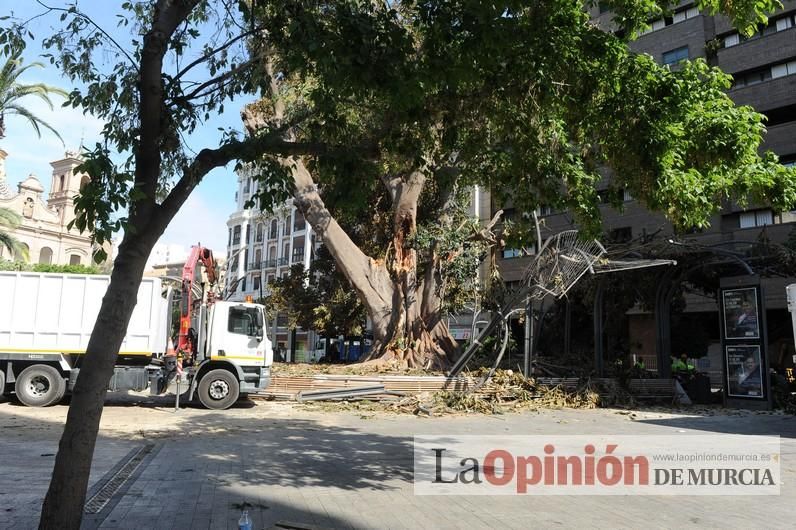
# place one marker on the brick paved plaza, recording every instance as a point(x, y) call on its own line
point(348, 470)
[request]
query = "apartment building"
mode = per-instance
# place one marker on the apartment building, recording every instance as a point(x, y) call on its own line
point(262, 247)
point(764, 71)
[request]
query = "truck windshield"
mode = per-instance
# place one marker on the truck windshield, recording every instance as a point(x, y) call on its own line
point(243, 320)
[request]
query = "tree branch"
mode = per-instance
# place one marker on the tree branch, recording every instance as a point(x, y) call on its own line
point(167, 17)
point(392, 185)
point(88, 19)
point(208, 55)
point(209, 159)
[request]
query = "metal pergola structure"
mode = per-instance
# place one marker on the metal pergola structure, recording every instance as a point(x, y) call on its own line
point(563, 259)
point(560, 263)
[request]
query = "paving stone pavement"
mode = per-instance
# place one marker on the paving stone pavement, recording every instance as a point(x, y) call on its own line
point(352, 470)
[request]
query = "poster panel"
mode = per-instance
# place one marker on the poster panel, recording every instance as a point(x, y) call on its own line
point(744, 371)
point(741, 315)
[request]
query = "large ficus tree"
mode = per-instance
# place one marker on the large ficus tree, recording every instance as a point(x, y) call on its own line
point(528, 98)
point(417, 97)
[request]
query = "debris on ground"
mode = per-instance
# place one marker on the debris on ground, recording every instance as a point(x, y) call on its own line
point(308, 369)
point(506, 391)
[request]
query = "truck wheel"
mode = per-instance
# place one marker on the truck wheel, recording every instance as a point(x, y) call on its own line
point(40, 386)
point(218, 389)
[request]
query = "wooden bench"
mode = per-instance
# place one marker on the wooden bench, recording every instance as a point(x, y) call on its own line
point(604, 386)
point(570, 384)
point(652, 389)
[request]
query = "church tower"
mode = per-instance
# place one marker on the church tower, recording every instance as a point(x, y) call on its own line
point(66, 183)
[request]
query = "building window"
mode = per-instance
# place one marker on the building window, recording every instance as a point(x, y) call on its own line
point(613, 195)
point(679, 16)
point(248, 233)
point(259, 232)
point(759, 75)
point(74, 259)
point(272, 234)
point(752, 78)
point(685, 14)
point(62, 180)
point(786, 22)
point(45, 256)
point(621, 235)
point(675, 56)
point(287, 225)
point(733, 39)
point(229, 239)
point(774, 25)
point(509, 253)
point(783, 69)
point(756, 218)
point(236, 235)
point(256, 282)
point(298, 221)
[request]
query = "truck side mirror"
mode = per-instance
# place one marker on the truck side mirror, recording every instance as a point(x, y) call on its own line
point(260, 324)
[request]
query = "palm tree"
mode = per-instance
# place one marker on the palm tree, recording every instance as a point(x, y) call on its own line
point(12, 91)
point(8, 221)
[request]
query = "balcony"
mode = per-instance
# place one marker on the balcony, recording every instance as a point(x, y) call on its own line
point(773, 48)
point(781, 138)
point(269, 264)
point(770, 94)
point(282, 262)
point(298, 255)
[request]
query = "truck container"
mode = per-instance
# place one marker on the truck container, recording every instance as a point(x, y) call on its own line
point(46, 321)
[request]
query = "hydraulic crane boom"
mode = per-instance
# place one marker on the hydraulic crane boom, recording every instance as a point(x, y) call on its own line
point(199, 255)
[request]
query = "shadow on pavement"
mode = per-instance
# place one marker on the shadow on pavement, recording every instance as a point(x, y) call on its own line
point(733, 422)
point(209, 463)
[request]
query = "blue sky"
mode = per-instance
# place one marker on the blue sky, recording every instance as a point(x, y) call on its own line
point(202, 218)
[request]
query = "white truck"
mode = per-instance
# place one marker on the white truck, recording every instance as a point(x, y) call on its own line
point(46, 321)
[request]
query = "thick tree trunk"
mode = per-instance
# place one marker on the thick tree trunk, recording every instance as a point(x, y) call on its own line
point(404, 310)
point(63, 505)
point(368, 276)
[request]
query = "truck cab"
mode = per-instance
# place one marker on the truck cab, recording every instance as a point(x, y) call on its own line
point(231, 341)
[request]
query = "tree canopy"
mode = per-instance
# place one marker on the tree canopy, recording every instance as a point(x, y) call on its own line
point(532, 100)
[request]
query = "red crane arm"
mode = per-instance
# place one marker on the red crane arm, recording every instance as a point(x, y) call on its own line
point(205, 257)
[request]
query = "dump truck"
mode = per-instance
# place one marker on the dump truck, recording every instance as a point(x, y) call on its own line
point(46, 320)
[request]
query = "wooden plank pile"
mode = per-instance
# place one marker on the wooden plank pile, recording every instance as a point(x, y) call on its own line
point(288, 387)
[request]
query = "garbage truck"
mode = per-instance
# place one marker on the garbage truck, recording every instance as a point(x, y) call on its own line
point(46, 319)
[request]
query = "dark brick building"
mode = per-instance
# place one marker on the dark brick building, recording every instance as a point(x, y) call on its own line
point(764, 72)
